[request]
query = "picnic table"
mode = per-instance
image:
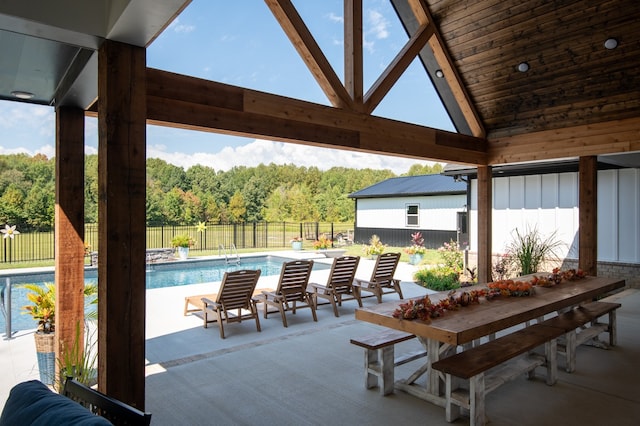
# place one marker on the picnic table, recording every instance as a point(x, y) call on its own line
point(442, 336)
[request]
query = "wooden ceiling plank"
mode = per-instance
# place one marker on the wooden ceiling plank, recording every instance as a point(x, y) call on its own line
point(353, 55)
point(301, 38)
point(400, 63)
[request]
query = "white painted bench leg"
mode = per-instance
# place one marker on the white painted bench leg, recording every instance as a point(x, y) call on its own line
point(551, 353)
point(387, 369)
point(379, 369)
point(570, 350)
point(452, 410)
point(613, 334)
point(370, 360)
point(476, 400)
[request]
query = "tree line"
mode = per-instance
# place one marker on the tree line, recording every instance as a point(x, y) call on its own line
point(176, 196)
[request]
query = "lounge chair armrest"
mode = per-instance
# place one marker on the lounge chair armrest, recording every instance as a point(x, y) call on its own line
point(208, 302)
point(363, 283)
point(270, 295)
point(316, 287)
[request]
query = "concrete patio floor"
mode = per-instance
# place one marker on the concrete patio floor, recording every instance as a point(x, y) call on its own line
point(309, 373)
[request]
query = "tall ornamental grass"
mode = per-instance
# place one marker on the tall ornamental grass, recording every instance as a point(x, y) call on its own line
point(528, 251)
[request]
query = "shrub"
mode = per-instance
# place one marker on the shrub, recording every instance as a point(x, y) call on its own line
point(527, 251)
point(452, 256)
point(441, 278)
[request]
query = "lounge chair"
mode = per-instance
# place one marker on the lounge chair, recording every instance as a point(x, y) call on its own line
point(339, 284)
point(382, 281)
point(235, 293)
point(291, 293)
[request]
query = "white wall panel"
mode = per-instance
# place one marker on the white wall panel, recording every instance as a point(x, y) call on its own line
point(532, 192)
point(549, 192)
point(516, 192)
point(628, 215)
point(607, 215)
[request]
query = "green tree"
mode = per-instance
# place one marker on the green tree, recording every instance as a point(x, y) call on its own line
point(237, 208)
point(39, 206)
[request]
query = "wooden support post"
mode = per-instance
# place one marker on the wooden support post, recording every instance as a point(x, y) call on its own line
point(121, 221)
point(588, 215)
point(69, 229)
point(485, 208)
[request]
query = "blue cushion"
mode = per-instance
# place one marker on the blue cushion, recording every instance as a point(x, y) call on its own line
point(33, 403)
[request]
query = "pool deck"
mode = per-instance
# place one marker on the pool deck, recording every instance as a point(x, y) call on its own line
point(310, 374)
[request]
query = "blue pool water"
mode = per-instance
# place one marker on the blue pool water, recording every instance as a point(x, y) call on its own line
point(158, 276)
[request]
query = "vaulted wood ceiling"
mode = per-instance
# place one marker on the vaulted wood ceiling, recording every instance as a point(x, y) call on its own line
point(577, 98)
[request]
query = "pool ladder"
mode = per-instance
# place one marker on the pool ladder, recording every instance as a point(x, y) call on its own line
point(228, 254)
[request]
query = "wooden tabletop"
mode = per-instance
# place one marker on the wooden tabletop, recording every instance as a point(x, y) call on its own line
point(479, 320)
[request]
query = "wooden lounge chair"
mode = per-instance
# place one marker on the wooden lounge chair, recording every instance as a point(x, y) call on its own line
point(382, 281)
point(236, 291)
point(291, 293)
point(339, 284)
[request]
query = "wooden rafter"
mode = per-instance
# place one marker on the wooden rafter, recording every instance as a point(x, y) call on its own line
point(310, 52)
point(440, 52)
point(388, 78)
point(353, 62)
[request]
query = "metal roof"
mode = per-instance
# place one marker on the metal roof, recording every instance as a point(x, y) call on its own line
point(412, 186)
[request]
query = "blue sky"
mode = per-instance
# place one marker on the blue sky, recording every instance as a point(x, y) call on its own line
point(240, 43)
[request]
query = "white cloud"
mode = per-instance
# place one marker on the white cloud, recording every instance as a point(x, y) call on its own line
point(266, 152)
point(335, 18)
point(379, 24)
point(177, 27)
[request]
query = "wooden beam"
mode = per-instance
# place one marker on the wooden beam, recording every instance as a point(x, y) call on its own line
point(588, 215)
point(451, 74)
point(244, 112)
point(400, 63)
point(121, 221)
point(586, 140)
point(310, 52)
point(485, 209)
point(353, 62)
point(69, 230)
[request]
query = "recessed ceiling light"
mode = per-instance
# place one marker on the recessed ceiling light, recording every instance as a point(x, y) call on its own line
point(439, 73)
point(611, 43)
point(21, 94)
point(523, 67)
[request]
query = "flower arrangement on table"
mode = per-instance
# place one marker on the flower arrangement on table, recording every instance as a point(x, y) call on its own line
point(296, 240)
point(375, 246)
point(424, 309)
point(322, 243)
point(417, 244)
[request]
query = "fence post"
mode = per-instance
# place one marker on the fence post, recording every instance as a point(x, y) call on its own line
point(6, 295)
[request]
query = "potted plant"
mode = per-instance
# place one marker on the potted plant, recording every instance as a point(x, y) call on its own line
point(417, 249)
point(322, 243)
point(375, 247)
point(42, 309)
point(182, 243)
point(296, 243)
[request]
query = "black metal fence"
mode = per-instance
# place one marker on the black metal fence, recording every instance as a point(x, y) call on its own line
point(40, 246)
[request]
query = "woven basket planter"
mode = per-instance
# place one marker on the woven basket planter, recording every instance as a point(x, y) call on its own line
point(46, 356)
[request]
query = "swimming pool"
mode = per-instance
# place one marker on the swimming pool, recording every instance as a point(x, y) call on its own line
point(159, 275)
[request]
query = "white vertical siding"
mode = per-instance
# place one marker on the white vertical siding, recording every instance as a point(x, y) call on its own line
point(550, 203)
point(436, 212)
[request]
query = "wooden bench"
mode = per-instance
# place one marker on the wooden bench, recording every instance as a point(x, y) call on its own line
point(574, 324)
point(502, 357)
point(380, 360)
